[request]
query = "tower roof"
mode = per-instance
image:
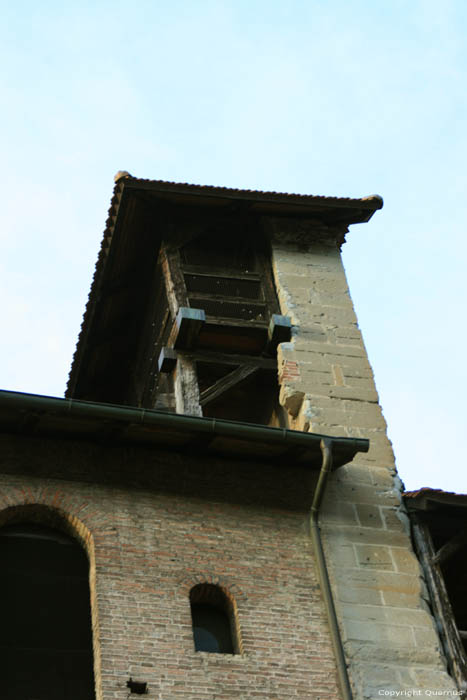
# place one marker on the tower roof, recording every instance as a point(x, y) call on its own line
point(124, 264)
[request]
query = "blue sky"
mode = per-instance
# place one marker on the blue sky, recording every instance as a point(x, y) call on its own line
point(335, 97)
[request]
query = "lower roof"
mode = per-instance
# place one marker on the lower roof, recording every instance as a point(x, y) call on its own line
point(426, 498)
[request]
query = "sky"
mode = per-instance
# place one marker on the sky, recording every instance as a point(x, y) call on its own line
point(327, 97)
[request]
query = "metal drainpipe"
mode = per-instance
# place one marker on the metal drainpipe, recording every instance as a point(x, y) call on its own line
point(326, 448)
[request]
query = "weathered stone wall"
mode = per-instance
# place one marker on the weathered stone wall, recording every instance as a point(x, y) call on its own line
point(155, 525)
point(327, 386)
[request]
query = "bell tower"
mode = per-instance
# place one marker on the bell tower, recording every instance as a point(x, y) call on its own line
point(219, 474)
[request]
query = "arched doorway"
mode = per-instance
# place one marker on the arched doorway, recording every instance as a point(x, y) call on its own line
point(45, 630)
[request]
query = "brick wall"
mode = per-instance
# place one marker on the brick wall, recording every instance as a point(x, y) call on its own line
point(327, 386)
point(155, 525)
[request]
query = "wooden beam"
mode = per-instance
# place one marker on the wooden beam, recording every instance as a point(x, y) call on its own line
point(222, 358)
point(225, 383)
point(167, 360)
point(451, 547)
point(227, 273)
point(186, 388)
point(174, 284)
point(188, 322)
point(279, 331)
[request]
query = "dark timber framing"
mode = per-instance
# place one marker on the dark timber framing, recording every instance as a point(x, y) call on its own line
point(435, 516)
point(141, 244)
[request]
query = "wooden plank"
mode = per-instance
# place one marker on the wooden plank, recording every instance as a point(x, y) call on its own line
point(451, 547)
point(225, 383)
point(220, 272)
point(228, 299)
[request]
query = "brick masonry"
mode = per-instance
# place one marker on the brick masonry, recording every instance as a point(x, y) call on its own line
point(155, 525)
point(389, 635)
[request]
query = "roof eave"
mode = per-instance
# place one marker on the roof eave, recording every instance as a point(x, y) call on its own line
point(85, 420)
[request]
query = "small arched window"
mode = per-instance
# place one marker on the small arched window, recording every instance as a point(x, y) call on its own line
point(214, 620)
point(45, 637)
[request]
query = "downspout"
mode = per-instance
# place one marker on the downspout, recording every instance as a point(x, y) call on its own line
point(326, 449)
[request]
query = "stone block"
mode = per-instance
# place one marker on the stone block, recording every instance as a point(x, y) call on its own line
point(403, 600)
point(360, 596)
point(392, 615)
point(354, 393)
point(293, 281)
point(405, 561)
point(383, 477)
point(374, 557)
point(363, 383)
point(382, 653)
point(395, 519)
point(369, 515)
point(384, 581)
point(343, 317)
point(366, 535)
point(340, 512)
point(383, 634)
point(352, 331)
point(331, 284)
point(364, 415)
point(436, 681)
point(356, 473)
point(312, 376)
point(361, 493)
point(357, 373)
point(344, 555)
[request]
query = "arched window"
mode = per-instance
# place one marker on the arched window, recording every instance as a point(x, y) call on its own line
point(45, 631)
point(214, 620)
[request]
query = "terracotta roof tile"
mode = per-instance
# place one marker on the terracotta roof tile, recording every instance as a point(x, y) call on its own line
point(374, 201)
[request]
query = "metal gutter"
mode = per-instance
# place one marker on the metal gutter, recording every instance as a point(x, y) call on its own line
point(326, 468)
point(180, 423)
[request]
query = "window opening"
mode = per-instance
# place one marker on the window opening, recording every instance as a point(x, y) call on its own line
point(211, 347)
point(214, 620)
point(45, 638)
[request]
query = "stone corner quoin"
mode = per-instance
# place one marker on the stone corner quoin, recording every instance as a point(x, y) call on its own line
point(327, 386)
